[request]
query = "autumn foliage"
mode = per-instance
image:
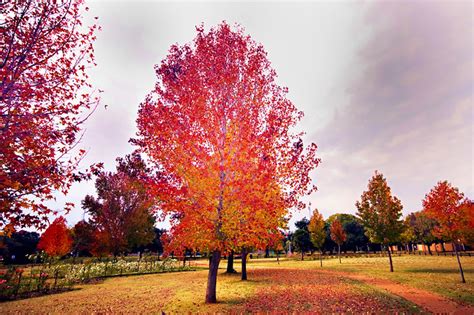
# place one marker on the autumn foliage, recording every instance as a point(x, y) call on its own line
point(56, 241)
point(454, 214)
point(445, 204)
point(380, 213)
point(44, 99)
point(122, 212)
point(338, 235)
point(218, 126)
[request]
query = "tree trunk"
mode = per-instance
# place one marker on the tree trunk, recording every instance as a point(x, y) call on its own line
point(267, 252)
point(429, 250)
point(302, 255)
point(212, 277)
point(230, 263)
point(244, 264)
point(278, 256)
point(390, 258)
point(321, 257)
point(459, 263)
point(339, 252)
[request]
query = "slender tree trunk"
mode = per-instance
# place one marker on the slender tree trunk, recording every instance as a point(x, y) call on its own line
point(321, 257)
point(339, 252)
point(230, 263)
point(459, 263)
point(212, 277)
point(429, 250)
point(302, 254)
point(390, 258)
point(244, 264)
point(278, 256)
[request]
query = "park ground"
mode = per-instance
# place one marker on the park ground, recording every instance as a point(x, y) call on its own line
point(419, 284)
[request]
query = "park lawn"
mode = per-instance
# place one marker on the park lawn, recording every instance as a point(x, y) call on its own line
point(438, 274)
point(271, 288)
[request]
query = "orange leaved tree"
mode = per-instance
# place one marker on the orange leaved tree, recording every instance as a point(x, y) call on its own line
point(452, 211)
point(317, 232)
point(45, 97)
point(218, 127)
point(338, 235)
point(56, 241)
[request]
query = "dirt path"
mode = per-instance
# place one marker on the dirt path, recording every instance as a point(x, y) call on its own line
point(429, 301)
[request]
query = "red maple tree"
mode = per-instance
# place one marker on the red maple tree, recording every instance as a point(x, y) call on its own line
point(44, 98)
point(218, 126)
point(338, 235)
point(453, 213)
point(56, 241)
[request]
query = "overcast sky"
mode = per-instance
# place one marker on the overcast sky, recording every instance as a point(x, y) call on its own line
point(384, 86)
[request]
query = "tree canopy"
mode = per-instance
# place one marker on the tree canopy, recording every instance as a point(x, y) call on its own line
point(45, 96)
point(380, 212)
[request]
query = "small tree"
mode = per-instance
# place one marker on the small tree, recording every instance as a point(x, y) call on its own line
point(56, 241)
point(302, 241)
point(355, 234)
point(380, 213)
point(338, 236)
point(317, 232)
point(407, 237)
point(447, 205)
point(423, 227)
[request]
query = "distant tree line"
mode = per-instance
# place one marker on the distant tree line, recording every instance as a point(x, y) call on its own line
point(447, 217)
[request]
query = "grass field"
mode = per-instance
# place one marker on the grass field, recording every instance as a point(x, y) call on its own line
point(437, 274)
point(290, 286)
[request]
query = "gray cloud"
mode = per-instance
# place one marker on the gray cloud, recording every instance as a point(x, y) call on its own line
point(409, 112)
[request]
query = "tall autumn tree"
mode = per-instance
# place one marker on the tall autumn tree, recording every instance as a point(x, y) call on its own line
point(317, 232)
point(338, 235)
point(447, 205)
point(56, 241)
point(380, 213)
point(219, 127)
point(122, 213)
point(45, 97)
